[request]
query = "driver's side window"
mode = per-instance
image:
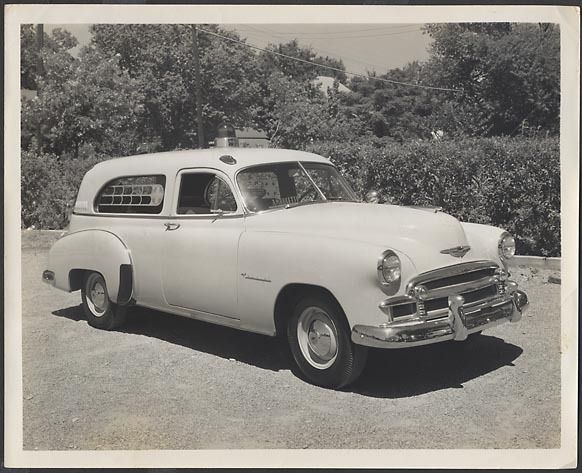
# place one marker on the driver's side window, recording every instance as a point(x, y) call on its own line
point(204, 193)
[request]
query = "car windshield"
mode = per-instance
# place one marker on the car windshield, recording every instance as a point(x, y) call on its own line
point(276, 185)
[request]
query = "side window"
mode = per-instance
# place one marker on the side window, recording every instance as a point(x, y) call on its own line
point(204, 193)
point(135, 195)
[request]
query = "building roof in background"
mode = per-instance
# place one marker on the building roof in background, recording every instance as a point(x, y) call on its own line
point(27, 93)
point(326, 82)
point(250, 133)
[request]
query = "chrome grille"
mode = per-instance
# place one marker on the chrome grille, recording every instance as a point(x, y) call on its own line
point(460, 278)
point(470, 297)
point(475, 281)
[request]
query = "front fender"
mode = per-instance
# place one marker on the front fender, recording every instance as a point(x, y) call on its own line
point(269, 261)
point(94, 250)
point(483, 240)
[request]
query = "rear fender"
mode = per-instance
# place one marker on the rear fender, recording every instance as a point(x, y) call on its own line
point(93, 250)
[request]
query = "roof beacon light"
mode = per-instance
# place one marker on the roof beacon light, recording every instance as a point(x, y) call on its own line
point(225, 136)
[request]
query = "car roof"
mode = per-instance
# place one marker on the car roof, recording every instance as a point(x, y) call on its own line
point(169, 163)
point(172, 161)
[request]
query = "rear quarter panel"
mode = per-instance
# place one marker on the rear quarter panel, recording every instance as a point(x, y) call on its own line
point(95, 250)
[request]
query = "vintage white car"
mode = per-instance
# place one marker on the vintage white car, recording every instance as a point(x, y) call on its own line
point(276, 242)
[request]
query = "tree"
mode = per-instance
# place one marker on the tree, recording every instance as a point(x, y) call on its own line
point(58, 40)
point(301, 71)
point(87, 104)
point(392, 110)
point(507, 75)
point(160, 58)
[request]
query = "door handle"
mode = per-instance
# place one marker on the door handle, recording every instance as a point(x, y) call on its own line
point(172, 226)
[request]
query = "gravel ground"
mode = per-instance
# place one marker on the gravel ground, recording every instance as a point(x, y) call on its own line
point(166, 382)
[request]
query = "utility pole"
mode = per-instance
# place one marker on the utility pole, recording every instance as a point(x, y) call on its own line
point(39, 71)
point(198, 85)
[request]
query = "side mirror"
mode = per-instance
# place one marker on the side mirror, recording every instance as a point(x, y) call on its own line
point(372, 197)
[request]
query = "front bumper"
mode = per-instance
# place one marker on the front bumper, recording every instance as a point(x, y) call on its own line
point(457, 325)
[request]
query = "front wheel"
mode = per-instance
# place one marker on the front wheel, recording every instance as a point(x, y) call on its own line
point(99, 310)
point(319, 339)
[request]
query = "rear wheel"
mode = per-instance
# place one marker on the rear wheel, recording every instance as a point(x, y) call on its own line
point(99, 310)
point(319, 339)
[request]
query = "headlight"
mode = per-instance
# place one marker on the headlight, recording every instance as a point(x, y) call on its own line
point(389, 269)
point(506, 246)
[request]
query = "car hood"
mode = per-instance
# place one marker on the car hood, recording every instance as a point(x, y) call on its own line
point(420, 234)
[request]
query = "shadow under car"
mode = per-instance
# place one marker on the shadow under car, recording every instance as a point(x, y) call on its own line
point(388, 373)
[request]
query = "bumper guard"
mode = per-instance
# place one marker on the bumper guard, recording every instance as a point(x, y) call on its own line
point(457, 325)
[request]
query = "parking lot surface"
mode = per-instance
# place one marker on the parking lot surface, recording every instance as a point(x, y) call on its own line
point(165, 382)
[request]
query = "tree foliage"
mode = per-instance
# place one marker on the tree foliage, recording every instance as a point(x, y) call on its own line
point(160, 59)
point(507, 75)
point(84, 105)
point(505, 80)
point(133, 88)
point(301, 71)
point(391, 109)
point(58, 40)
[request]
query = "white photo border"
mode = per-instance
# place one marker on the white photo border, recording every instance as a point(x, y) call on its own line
point(564, 457)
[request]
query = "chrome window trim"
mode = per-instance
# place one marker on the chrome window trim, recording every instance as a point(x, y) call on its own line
point(250, 213)
point(93, 209)
point(323, 198)
point(240, 211)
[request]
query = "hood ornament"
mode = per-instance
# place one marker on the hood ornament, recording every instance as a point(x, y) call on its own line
point(457, 251)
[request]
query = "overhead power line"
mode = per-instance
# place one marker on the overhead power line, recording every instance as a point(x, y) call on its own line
point(338, 35)
point(343, 31)
point(253, 36)
point(305, 61)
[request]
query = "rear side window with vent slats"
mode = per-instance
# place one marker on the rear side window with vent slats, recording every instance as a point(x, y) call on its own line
point(133, 195)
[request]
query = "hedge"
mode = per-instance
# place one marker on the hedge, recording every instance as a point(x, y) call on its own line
point(513, 183)
point(48, 189)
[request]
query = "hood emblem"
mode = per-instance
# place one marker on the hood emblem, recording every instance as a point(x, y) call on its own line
point(457, 251)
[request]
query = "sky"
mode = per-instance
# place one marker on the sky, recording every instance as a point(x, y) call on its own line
point(362, 47)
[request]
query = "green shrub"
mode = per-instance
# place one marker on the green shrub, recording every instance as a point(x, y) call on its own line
point(513, 183)
point(49, 188)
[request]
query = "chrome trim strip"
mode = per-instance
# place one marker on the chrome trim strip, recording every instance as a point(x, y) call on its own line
point(457, 251)
point(164, 217)
point(312, 182)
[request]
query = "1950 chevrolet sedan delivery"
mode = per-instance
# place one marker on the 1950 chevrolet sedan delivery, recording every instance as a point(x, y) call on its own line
point(275, 242)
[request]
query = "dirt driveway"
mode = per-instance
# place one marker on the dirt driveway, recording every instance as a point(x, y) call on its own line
point(166, 382)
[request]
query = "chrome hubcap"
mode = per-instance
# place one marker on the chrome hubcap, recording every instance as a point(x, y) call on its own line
point(317, 336)
point(97, 298)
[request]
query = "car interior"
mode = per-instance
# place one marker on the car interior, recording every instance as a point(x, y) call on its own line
point(204, 193)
